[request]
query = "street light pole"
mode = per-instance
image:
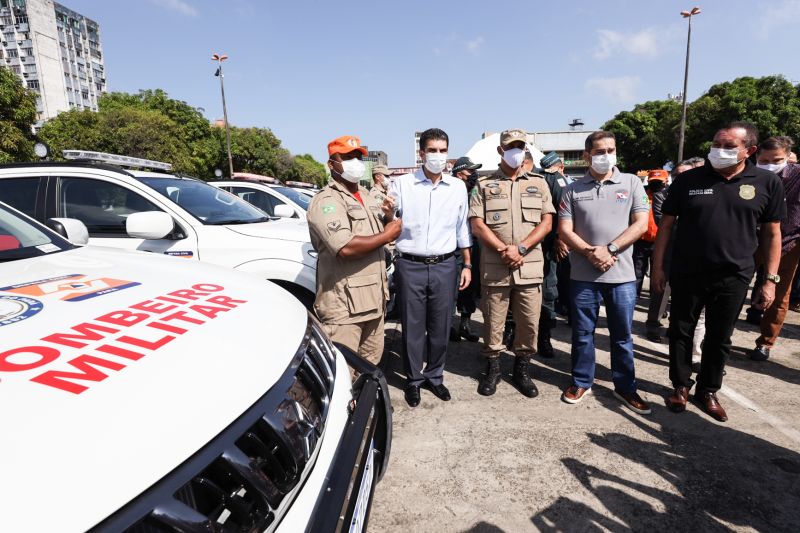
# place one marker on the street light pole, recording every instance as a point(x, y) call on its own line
point(219, 59)
point(689, 15)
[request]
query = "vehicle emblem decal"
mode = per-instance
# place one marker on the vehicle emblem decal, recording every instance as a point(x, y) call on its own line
point(181, 254)
point(15, 309)
point(71, 288)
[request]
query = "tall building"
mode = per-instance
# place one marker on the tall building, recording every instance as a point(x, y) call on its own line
point(55, 52)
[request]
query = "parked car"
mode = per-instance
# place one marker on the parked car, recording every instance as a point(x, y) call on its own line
point(143, 393)
point(165, 214)
point(276, 201)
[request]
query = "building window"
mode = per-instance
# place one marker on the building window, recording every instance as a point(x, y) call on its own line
point(13, 52)
point(5, 20)
point(571, 155)
point(27, 52)
point(33, 84)
point(15, 68)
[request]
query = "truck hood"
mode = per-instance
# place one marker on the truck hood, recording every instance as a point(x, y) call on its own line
point(106, 387)
point(284, 229)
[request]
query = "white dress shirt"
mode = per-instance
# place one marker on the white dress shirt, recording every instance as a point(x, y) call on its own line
point(434, 216)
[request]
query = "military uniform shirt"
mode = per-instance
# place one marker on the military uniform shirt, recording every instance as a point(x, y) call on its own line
point(511, 209)
point(600, 212)
point(378, 192)
point(355, 289)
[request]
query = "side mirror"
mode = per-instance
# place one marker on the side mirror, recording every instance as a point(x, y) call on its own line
point(284, 211)
point(71, 229)
point(149, 225)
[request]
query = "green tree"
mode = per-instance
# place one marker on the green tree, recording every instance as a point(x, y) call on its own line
point(306, 168)
point(772, 103)
point(151, 125)
point(256, 150)
point(645, 136)
point(17, 116)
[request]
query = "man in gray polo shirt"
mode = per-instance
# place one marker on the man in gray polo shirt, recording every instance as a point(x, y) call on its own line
point(600, 217)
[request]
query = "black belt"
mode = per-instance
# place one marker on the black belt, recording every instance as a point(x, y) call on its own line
point(429, 260)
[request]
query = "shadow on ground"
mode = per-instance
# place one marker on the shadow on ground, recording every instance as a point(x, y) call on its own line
point(717, 477)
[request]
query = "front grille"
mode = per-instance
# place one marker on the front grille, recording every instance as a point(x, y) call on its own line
point(246, 478)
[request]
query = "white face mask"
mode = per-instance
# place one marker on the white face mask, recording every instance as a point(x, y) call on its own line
point(723, 158)
point(436, 162)
point(772, 167)
point(603, 163)
point(353, 170)
point(514, 157)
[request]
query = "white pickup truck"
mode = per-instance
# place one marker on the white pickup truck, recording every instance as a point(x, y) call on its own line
point(163, 213)
point(143, 393)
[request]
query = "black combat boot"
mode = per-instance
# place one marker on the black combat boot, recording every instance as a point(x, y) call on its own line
point(543, 345)
point(488, 383)
point(521, 378)
point(464, 330)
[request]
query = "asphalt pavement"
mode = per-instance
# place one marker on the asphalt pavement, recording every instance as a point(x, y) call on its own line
point(507, 463)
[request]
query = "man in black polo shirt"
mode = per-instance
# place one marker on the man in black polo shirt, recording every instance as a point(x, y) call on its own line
point(719, 206)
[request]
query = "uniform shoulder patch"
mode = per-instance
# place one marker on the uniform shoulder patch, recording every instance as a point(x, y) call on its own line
point(334, 225)
point(328, 208)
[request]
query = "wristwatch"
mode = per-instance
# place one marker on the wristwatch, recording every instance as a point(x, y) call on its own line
point(522, 249)
point(467, 266)
point(774, 278)
point(613, 249)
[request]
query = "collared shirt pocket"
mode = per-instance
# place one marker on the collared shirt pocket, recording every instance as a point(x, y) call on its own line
point(364, 293)
point(497, 212)
point(532, 208)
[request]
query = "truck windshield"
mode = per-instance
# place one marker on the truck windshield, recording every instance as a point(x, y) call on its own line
point(20, 238)
point(207, 204)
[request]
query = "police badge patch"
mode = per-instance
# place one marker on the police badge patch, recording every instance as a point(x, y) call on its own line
point(747, 192)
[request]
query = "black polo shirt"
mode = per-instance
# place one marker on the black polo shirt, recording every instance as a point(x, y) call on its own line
point(718, 218)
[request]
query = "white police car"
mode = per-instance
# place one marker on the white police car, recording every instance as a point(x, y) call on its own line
point(144, 393)
point(163, 213)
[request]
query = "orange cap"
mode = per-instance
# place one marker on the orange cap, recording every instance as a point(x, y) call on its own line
point(657, 175)
point(345, 145)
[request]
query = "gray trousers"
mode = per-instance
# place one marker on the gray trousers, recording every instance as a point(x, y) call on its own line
point(426, 295)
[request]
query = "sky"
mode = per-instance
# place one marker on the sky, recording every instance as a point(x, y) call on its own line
point(314, 70)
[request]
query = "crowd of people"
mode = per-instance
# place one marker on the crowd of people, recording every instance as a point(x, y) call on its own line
point(526, 244)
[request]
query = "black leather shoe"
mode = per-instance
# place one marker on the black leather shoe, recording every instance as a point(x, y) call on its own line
point(440, 391)
point(412, 395)
point(465, 331)
point(759, 353)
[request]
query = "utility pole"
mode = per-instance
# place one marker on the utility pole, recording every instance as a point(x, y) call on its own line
point(689, 15)
point(219, 59)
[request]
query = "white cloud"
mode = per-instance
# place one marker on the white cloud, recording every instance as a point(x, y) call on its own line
point(180, 6)
point(644, 43)
point(475, 44)
point(777, 16)
point(620, 90)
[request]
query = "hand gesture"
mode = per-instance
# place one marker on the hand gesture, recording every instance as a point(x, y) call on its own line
point(393, 229)
point(388, 207)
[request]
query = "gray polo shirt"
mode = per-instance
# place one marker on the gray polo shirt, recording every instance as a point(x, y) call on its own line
point(600, 212)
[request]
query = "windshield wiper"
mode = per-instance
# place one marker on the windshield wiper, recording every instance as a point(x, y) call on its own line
point(237, 221)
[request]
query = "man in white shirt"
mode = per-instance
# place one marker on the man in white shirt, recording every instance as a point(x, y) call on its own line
point(434, 208)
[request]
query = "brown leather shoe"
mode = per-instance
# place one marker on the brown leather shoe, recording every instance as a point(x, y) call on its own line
point(710, 404)
point(677, 401)
point(633, 401)
point(574, 394)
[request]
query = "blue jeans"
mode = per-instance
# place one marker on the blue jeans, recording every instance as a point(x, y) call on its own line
point(620, 300)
